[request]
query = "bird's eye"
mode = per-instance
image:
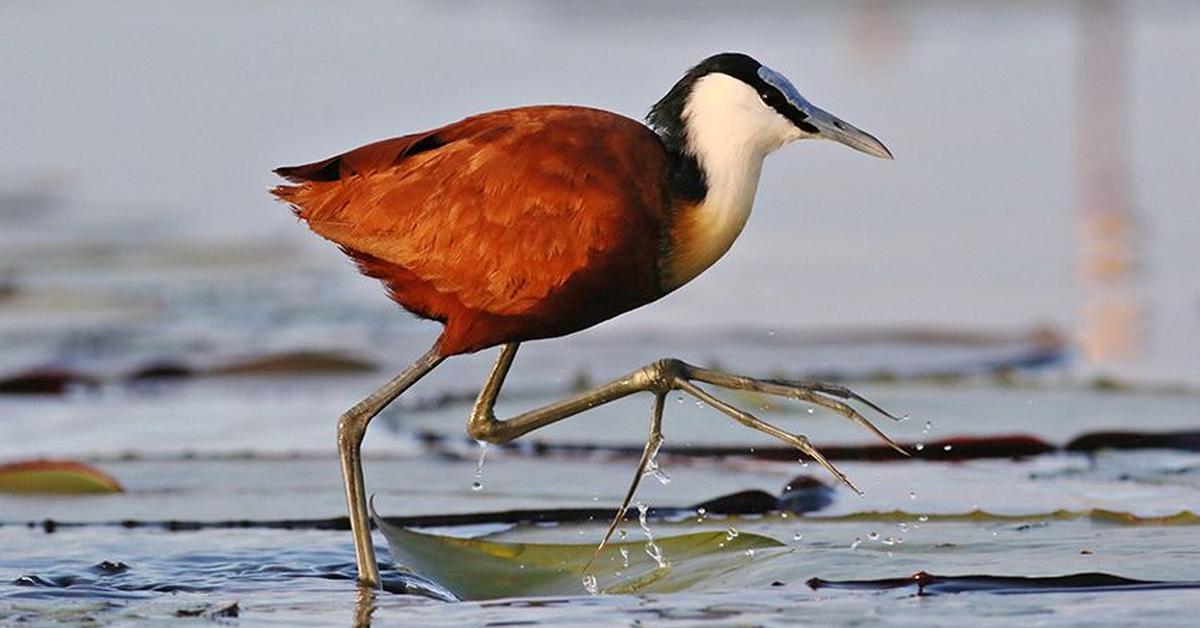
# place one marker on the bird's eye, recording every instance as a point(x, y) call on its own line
point(766, 98)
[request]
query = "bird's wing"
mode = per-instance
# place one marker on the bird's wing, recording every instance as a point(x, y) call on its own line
point(498, 210)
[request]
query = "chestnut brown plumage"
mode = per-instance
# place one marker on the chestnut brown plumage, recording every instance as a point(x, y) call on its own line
point(507, 226)
point(537, 222)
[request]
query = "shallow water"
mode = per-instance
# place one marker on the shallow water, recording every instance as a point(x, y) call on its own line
point(138, 239)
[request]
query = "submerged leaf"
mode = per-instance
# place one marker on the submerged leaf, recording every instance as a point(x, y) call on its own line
point(482, 569)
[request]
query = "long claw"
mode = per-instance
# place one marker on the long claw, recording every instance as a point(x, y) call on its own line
point(811, 392)
point(753, 422)
point(840, 392)
point(807, 449)
point(854, 415)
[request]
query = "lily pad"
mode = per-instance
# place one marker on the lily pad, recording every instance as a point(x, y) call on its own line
point(477, 568)
point(56, 477)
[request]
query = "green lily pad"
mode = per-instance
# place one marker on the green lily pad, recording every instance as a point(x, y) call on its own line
point(477, 568)
point(55, 477)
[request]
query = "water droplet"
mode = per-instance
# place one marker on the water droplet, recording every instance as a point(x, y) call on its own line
point(589, 584)
point(750, 553)
point(810, 410)
point(595, 498)
point(928, 426)
point(912, 495)
point(873, 535)
point(622, 534)
point(919, 446)
point(923, 518)
point(477, 485)
point(702, 511)
point(947, 447)
point(624, 558)
point(731, 534)
point(856, 543)
point(891, 540)
point(797, 536)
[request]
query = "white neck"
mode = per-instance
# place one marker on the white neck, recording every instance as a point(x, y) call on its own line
point(729, 131)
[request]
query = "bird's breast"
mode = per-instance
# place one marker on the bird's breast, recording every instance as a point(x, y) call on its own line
point(701, 233)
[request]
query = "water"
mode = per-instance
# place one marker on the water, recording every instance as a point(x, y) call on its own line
point(477, 485)
point(138, 237)
point(652, 548)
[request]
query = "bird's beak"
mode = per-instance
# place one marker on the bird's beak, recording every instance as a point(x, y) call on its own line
point(831, 127)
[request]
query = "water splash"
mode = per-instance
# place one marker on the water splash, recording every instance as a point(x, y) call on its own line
point(655, 469)
point(652, 548)
point(590, 585)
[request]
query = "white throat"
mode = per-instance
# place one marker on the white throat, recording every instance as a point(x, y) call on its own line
point(729, 131)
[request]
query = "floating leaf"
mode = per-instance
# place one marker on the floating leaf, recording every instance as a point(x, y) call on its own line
point(57, 477)
point(478, 568)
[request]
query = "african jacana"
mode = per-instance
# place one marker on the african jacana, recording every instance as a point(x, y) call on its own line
point(541, 221)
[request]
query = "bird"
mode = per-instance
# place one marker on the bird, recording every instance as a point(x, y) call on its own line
point(537, 222)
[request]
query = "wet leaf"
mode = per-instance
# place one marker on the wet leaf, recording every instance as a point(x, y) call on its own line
point(482, 569)
point(56, 477)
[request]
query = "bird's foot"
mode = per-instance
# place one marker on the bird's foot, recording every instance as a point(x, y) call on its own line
point(685, 377)
point(667, 375)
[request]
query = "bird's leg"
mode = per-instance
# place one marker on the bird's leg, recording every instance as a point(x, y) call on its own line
point(484, 426)
point(352, 426)
point(661, 377)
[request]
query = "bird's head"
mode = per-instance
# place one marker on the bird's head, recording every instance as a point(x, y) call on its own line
point(730, 102)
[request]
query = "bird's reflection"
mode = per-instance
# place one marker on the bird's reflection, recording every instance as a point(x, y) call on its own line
point(1113, 315)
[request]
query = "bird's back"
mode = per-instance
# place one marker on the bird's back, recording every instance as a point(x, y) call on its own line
point(507, 226)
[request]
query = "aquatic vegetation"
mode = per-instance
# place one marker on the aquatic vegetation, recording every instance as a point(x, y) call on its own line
point(55, 477)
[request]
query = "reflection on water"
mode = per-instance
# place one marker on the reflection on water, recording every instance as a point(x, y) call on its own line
point(877, 35)
point(1113, 313)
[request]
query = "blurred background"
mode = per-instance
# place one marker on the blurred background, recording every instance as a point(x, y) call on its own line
point(1043, 192)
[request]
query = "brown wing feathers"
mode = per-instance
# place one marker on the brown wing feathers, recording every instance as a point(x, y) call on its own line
point(495, 215)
